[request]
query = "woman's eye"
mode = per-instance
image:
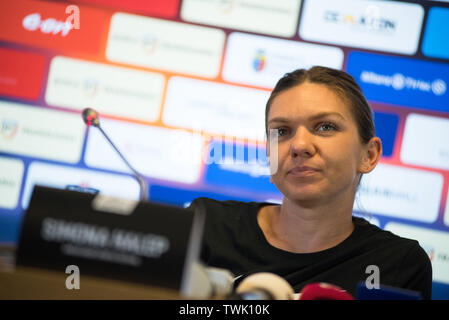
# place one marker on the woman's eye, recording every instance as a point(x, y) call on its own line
point(282, 132)
point(326, 126)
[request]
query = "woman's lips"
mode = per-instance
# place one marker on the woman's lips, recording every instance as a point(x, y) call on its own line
point(302, 171)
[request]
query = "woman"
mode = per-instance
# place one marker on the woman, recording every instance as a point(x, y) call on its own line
point(325, 143)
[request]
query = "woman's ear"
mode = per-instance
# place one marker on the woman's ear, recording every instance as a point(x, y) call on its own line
point(371, 155)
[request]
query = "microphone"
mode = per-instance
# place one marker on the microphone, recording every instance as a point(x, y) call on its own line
point(92, 118)
point(264, 286)
point(208, 282)
point(222, 281)
point(385, 292)
point(324, 291)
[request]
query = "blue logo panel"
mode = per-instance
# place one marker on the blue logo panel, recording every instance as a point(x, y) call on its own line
point(249, 171)
point(401, 81)
point(183, 197)
point(436, 35)
point(386, 125)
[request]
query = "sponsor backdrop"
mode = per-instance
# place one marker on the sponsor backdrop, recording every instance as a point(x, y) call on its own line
point(182, 84)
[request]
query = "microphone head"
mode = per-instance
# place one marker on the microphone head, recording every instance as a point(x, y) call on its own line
point(324, 291)
point(275, 286)
point(91, 117)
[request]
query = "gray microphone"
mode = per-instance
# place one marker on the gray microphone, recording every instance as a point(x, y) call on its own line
point(92, 118)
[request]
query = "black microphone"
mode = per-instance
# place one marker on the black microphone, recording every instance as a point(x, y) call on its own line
point(92, 118)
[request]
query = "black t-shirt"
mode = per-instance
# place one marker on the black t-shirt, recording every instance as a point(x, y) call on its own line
point(233, 240)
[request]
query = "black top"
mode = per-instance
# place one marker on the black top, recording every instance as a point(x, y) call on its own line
point(233, 240)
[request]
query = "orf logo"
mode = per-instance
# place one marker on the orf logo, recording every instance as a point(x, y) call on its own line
point(259, 60)
point(33, 22)
point(9, 128)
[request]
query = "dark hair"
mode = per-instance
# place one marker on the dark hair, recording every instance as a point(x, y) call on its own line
point(341, 83)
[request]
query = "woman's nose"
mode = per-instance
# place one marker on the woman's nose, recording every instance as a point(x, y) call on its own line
point(302, 144)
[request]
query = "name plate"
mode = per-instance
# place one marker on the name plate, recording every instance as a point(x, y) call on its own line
point(126, 240)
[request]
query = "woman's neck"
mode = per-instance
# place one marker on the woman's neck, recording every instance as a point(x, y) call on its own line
point(292, 227)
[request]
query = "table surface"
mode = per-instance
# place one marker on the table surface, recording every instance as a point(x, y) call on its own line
point(18, 282)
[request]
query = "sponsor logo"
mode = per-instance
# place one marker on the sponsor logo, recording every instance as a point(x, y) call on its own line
point(370, 20)
point(247, 15)
point(401, 81)
point(149, 43)
point(9, 128)
point(39, 132)
point(398, 81)
point(429, 249)
point(259, 60)
point(90, 87)
point(33, 22)
point(53, 25)
point(101, 86)
point(378, 25)
point(438, 87)
point(401, 192)
point(197, 51)
point(226, 6)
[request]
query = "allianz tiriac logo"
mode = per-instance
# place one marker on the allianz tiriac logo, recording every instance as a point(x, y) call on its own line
point(404, 82)
point(371, 20)
point(399, 81)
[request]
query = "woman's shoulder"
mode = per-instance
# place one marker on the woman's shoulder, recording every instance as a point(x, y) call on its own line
point(389, 241)
point(371, 231)
point(402, 261)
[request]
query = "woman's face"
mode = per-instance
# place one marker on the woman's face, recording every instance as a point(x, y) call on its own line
point(320, 155)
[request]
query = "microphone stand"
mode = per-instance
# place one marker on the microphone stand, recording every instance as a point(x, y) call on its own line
point(91, 118)
point(137, 175)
